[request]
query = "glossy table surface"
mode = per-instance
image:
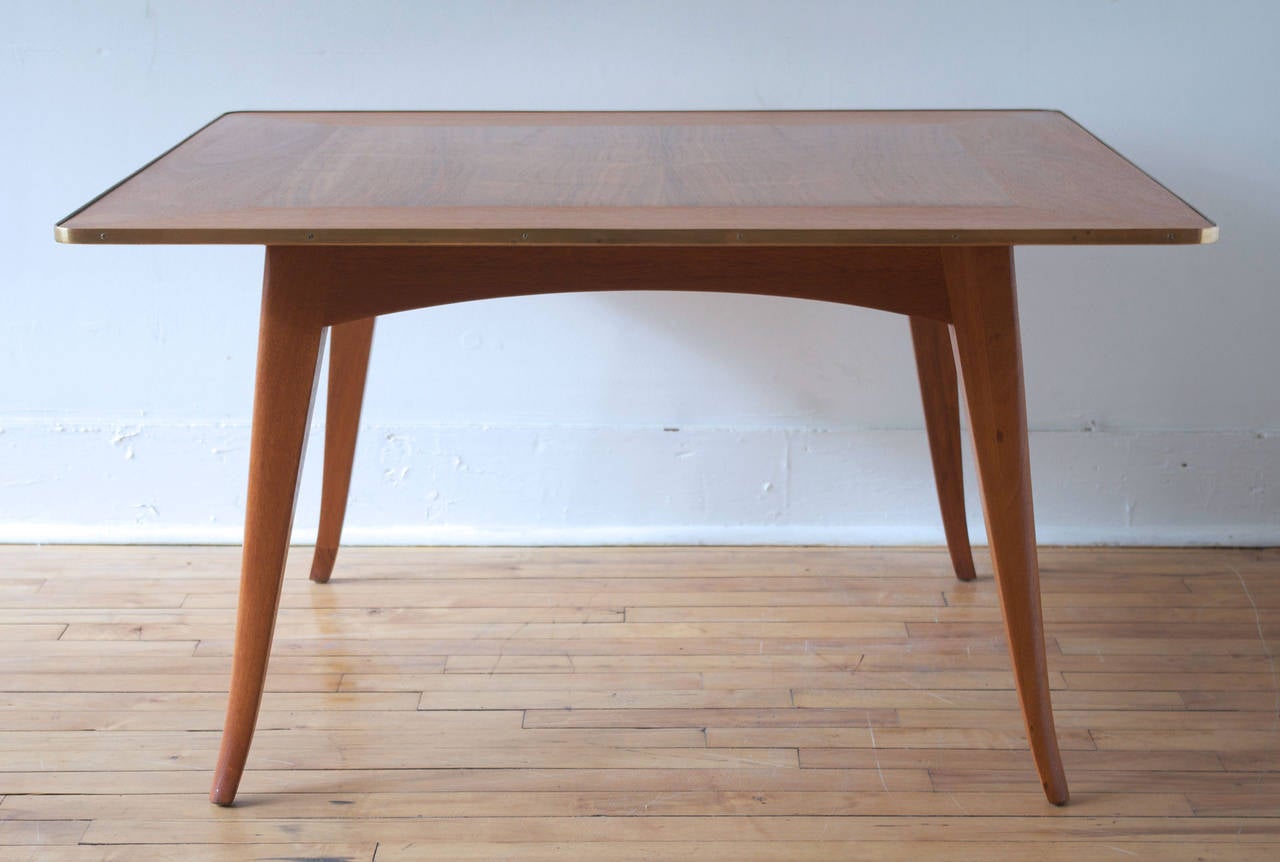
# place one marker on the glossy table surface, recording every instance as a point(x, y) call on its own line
point(773, 178)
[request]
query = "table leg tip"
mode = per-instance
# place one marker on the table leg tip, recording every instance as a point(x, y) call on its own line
point(322, 564)
point(221, 797)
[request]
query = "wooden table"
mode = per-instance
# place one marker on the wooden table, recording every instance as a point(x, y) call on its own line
point(915, 212)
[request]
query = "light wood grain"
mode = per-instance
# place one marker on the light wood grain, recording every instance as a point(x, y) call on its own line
point(940, 393)
point(768, 177)
point(984, 309)
point(349, 347)
point(960, 828)
point(1171, 744)
point(357, 283)
point(289, 343)
point(645, 851)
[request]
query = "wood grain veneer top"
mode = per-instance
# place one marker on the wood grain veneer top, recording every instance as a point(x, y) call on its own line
point(763, 177)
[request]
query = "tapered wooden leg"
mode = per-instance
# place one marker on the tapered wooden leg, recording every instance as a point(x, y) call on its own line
point(289, 342)
point(936, 368)
point(980, 287)
point(349, 345)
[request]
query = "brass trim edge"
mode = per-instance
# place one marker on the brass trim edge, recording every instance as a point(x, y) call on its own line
point(572, 236)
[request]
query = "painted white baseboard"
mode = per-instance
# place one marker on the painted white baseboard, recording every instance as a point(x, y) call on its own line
point(90, 482)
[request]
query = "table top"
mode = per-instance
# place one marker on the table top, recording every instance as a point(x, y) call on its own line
point(754, 177)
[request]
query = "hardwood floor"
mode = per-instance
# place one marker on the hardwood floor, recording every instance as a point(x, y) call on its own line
point(639, 703)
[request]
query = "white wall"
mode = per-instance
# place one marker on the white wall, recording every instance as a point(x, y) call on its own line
point(125, 373)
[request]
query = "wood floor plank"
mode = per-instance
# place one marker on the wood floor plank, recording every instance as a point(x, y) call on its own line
point(422, 594)
point(957, 829)
point(1262, 760)
point(19, 649)
point(1235, 682)
point(607, 646)
point(1222, 741)
point(307, 619)
point(266, 783)
point(23, 632)
point(722, 718)
point(986, 613)
point(1135, 720)
point(1109, 598)
point(211, 720)
point(1136, 781)
point(1255, 701)
point(829, 851)
point(503, 631)
point(910, 698)
point(534, 664)
point(617, 698)
point(1236, 803)
point(1242, 630)
point(41, 833)
point(198, 755)
point(1096, 662)
point(110, 682)
point(124, 662)
point(711, 680)
point(644, 851)
point(1079, 760)
point(479, 683)
point(880, 738)
point(577, 803)
point(1121, 642)
point(639, 703)
point(11, 586)
point(200, 700)
point(296, 852)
